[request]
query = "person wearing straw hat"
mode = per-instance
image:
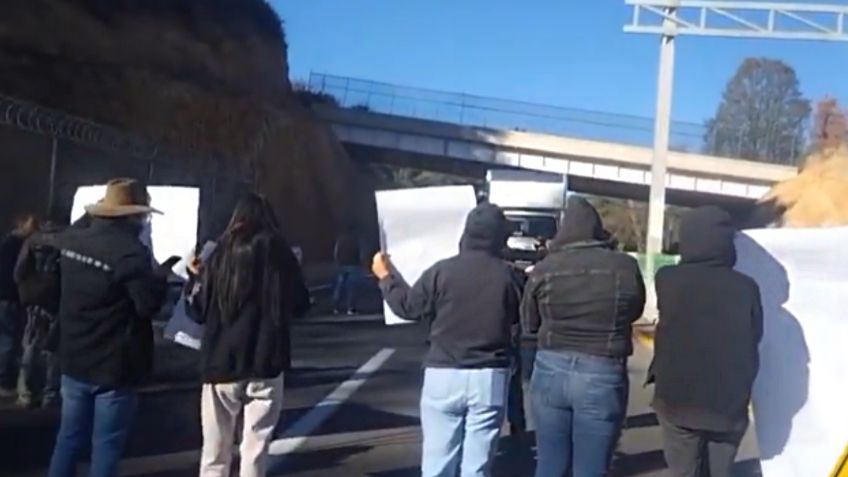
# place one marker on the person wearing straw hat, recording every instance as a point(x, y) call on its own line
point(110, 290)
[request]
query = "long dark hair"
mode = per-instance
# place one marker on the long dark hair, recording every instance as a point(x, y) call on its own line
point(246, 264)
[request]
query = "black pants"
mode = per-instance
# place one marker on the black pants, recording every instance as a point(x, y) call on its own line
point(515, 414)
point(694, 453)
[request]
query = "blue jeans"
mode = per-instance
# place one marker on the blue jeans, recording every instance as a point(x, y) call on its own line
point(461, 416)
point(579, 404)
point(96, 416)
point(10, 343)
point(344, 294)
point(39, 365)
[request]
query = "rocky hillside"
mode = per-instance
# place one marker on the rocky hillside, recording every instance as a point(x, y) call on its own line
point(207, 77)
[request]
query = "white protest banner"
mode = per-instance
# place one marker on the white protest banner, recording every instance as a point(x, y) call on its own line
point(172, 233)
point(419, 227)
point(800, 410)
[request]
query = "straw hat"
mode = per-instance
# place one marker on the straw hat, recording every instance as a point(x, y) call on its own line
point(124, 197)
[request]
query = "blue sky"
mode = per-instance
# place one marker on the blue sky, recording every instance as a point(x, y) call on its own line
point(559, 52)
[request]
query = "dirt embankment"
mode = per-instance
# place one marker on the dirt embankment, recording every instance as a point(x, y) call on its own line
point(209, 78)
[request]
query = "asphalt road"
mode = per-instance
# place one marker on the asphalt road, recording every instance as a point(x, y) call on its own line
point(350, 410)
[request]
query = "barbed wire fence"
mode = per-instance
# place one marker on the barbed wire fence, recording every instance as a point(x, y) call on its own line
point(84, 152)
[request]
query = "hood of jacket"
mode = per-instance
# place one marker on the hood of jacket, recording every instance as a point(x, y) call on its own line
point(580, 223)
point(706, 237)
point(486, 230)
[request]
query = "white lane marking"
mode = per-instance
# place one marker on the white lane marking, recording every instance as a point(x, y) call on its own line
point(298, 433)
point(303, 428)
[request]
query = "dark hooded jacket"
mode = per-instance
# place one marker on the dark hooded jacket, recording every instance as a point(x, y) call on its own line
point(584, 295)
point(253, 341)
point(469, 301)
point(109, 293)
point(710, 326)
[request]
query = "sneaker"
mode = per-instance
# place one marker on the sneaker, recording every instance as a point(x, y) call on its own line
point(8, 393)
point(351, 312)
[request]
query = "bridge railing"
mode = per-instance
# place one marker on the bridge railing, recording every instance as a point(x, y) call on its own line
point(481, 111)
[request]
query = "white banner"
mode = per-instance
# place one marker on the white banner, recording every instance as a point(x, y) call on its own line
point(800, 404)
point(419, 227)
point(172, 234)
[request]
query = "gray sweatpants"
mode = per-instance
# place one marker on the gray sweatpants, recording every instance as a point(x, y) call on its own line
point(260, 402)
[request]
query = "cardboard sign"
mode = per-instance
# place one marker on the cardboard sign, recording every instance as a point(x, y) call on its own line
point(419, 227)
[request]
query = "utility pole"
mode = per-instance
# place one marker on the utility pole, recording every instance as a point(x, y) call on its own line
point(735, 19)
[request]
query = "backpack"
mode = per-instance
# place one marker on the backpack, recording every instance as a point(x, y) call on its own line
point(39, 283)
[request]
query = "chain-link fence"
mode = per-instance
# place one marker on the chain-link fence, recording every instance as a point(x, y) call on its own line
point(481, 111)
point(46, 154)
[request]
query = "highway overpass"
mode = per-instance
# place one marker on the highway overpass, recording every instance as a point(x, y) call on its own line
point(594, 167)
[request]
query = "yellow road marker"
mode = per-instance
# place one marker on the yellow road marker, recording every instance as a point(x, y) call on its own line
point(841, 469)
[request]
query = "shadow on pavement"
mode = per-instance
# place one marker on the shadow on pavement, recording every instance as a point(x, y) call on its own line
point(406, 472)
point(306, 377)
point(648, 419)
point(352, 417)
point(627, 465)
point(299, 377)
point(316, 460)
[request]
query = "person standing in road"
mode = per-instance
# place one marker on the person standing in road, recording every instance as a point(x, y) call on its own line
point(247, 295)
point(706, 348)
point(11, 313)
point(581, 301)
point(109, 292)
point(470, 302)
point(349, 263)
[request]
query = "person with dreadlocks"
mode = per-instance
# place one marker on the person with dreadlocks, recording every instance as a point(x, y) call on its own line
point(250, 289)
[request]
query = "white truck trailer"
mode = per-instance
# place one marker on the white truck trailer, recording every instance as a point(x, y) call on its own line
point(532, 202)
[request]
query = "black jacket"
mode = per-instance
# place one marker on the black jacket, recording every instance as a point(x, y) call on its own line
point(37, 272)
point(470, 301)
point(253, 344)
point(710, 325)
point(108, 295)
point(584, 296)
point(10, 247)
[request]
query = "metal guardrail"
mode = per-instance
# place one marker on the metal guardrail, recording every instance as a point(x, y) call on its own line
point(481, 111)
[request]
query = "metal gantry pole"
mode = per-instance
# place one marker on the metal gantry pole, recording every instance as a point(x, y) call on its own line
point(733, 19)
point(662, 131)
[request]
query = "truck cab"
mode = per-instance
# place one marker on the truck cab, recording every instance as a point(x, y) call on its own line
point(532, 202)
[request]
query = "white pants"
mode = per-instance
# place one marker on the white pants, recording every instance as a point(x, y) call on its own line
point(261, 401)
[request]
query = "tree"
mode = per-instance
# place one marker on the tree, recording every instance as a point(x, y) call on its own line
point(762, 115)
point(627, 221)
point(830, 126)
